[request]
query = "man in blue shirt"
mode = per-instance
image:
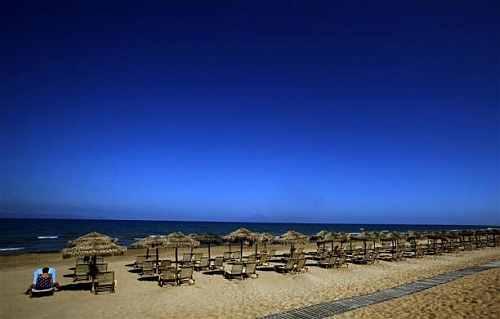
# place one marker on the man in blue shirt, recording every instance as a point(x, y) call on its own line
point(44, 278)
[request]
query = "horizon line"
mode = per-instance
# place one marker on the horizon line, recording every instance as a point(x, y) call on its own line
point(243, 222)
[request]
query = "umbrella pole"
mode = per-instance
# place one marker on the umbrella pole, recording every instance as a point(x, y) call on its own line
point(332, 245)
point(147, 253)
point(256, 249)
point(209, 252)
point(241, 250)
point(176, 257)
point(157, 257)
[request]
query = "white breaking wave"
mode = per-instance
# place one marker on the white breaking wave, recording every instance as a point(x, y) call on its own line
point(48, 237)
point(11, 249)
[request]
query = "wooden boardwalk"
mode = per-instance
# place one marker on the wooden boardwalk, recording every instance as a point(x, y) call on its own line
point(329, 309)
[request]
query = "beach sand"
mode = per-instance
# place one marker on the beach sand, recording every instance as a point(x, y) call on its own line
point(212, 296)
point(475, 296)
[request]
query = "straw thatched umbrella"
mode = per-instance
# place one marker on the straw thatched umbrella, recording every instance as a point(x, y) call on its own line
point(152, 241)
point(364, 237)
point(393, 237)
point(241, 235)
point(92, 246)
point(319, 237)
point(262, 238)
point(493, 232)
point(208, 239)
point(178, 240)
point(327, 237)
point(341, 238)
point(292, 237)
point(90, 236)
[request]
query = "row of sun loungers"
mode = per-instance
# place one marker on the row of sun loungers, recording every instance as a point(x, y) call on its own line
point(102, 279)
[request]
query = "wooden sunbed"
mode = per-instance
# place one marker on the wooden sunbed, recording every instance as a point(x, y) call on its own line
point(104, 281)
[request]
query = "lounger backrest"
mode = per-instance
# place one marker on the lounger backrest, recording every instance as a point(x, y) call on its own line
point(169, 273)
point(219, 261)
point(251, 258)
point(264, 258)
point(82, 269)
point(236, 269)
point(186, 257)
point(102, 267)
point(227, 255)
point(166, 263)
point(99, 260)
point(250, 268)
point(186, 273)
point(236, 254)
point(204, 262)
point(105, 277)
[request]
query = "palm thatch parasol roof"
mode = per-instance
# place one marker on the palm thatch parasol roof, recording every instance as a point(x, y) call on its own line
point(242, 235)
point(293, 238)
point(98, 246)
point(89, 236)
point(208, 239)
point(262, 238)
point(151, 241)
point(319, 236)
point(178, 240)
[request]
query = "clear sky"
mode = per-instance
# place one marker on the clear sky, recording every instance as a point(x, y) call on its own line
point(367, 112)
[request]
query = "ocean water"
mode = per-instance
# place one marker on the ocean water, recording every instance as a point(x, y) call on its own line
point(49, 235)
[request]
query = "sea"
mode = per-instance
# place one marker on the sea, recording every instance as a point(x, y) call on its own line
point(18, 236)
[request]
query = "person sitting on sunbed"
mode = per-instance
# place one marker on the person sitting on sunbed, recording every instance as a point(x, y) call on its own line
point(44, 279)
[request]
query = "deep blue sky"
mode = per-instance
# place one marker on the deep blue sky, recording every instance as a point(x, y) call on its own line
point(370, 112)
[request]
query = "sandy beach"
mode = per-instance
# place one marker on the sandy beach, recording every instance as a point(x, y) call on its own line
point(212, 296)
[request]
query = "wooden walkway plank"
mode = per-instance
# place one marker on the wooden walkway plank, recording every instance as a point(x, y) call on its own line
point(329, 309)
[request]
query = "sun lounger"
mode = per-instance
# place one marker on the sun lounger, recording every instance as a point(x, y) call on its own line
point(165, 264)
point(289, 266)
point(235, 255)
point(203, 264)
point(147, 269)
point(168, 275)
point(185, 275)
point(341, 260)
point(218, 263)
point(300, 266)
point(81, 272)
point(104, 281)
point(233, 270)
point(227, 255)
point(186, 258)
point(99, 260)
point(327, 262)
point(263, 260)
point(250, 270)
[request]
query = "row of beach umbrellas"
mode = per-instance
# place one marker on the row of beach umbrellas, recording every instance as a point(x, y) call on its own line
point(97, 244)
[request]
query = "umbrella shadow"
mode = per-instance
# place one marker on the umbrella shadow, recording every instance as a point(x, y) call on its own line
point(69, 276)
point(148, 278)
point(213, 272)
point(130, 265)
point(78, 286)
point(134, 271)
